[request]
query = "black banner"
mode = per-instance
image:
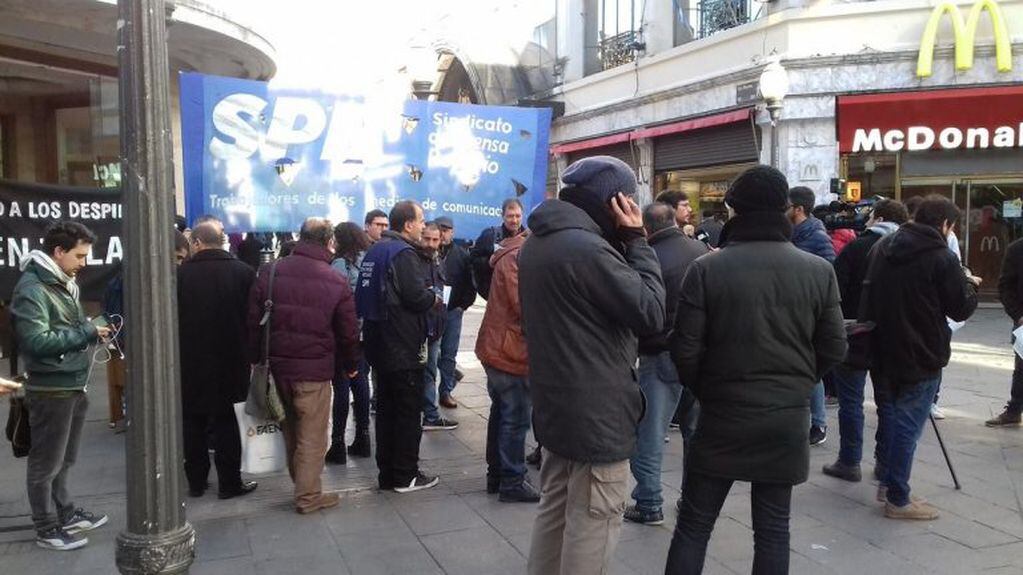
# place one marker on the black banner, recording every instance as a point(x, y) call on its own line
point(27, 209)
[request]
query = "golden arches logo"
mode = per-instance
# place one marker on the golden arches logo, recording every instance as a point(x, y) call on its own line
point(965, 33)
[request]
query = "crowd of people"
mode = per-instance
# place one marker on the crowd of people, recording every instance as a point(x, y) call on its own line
point(604, 324)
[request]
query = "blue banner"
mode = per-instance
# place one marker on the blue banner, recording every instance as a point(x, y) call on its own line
point(263, 160)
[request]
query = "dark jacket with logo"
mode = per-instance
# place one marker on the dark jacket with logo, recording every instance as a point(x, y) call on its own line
point(811, 237)
point(213, 299)
point(675, 251)
point(758, 323)
point(458, 273)
point(313, 323)
point(913, 284)
point(396, 339)
point(481, 252)
point(53, 332)
point(583, 304)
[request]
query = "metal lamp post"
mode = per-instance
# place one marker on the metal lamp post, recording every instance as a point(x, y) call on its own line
point(156, 539)
point(774, 86)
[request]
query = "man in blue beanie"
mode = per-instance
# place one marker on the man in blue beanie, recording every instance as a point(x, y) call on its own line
point(589, 284)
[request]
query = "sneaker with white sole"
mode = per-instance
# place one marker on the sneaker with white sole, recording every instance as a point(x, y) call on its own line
point(420, 482)
point(57, 539)
point(937, 412)
point(81, 520)
point(914, 510)
point(439, 424)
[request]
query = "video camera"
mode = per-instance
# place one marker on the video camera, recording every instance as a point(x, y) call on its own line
point(846, 215)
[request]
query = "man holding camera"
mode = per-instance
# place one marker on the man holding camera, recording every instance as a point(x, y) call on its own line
point(53, 337)
point(913, 282)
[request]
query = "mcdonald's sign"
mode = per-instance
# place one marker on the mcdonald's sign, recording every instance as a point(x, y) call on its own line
point(965, 33)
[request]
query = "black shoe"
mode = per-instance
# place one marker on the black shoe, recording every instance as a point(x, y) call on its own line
point(535, 458)
point(361, 446)
point(336, 454)
point(818, 434)
point(197, 491)
point(643, 517)
point(1005, 419)
point(81, 521)
point(245, 488)
point(842, 471)
point(521, 493)
point(57, 539)
point(493, 485)
point(419, 482)
point(439, 424)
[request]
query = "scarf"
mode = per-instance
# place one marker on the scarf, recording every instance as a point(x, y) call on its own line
point(756, 227)
point(883, 228)
point(43, 260)
point(598, 211)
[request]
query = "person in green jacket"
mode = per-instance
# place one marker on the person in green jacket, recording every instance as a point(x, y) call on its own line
point(54, 336)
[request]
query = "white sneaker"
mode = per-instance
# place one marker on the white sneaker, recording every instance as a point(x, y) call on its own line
point(937, 412)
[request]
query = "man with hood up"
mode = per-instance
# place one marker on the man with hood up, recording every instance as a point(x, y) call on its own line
point(851, 269)
point(913, 282)
point(589, 284)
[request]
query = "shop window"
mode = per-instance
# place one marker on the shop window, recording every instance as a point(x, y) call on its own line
point(876, 173)
point(87, 140)
point(619, 23)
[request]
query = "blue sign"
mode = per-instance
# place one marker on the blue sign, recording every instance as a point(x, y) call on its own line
point(263, 160)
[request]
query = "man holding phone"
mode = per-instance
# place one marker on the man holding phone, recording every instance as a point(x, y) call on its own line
point(54, 337)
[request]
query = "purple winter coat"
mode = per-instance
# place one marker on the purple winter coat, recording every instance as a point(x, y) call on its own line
point(313, 321)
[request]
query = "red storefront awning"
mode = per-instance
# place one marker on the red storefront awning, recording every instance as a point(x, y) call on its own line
point(655, 131)
point(969, 118)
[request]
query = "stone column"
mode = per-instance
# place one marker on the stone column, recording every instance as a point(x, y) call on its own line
point(156, 539)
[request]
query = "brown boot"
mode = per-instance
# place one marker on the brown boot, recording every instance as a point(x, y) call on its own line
point(324, 501)
point(1004, 419)
point(915, 510)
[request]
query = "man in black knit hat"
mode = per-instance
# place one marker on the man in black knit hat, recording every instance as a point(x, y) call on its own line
point(589, 285)
point(758, 322)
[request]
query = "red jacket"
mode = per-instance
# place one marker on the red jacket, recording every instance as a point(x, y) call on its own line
point(841, 238)
point(500, 343)
point(313, 322)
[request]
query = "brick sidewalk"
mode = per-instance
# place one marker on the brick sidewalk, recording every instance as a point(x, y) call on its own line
point(457, 528)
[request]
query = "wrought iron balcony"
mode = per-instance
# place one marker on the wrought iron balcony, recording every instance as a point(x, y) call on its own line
point(617, 50)
point(719, 15)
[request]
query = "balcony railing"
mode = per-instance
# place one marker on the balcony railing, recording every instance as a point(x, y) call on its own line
point(719, 15)
point(617, 50)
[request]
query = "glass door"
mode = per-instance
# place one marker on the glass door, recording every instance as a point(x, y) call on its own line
point(994, 219)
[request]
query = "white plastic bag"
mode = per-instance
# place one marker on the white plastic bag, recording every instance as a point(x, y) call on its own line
point(263, 448)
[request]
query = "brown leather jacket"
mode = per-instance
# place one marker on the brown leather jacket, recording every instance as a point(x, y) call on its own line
point(500, 343)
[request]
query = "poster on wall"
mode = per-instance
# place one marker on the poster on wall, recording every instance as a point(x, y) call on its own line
point(26, 210)
point(263, 160)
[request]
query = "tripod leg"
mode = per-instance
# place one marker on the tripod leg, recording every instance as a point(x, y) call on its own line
point(941, 442)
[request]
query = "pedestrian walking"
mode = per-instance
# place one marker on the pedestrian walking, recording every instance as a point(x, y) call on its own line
point(483, 248)
point(394, 299)
point(758, 322)
point(313, 326)
point(54, 336)
point(658, 378)
point(213, 297)
point(913, 283)
point(850, 270)
point(501, 348)
point(1010, 291)
point(458, 272)
point(589, 284)
point(350, 245)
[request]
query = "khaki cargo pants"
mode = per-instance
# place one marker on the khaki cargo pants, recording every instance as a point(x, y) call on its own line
point(580, 516)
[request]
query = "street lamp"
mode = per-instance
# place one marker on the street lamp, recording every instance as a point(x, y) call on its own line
point(774, 86)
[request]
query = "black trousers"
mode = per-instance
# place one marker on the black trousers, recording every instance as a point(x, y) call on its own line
point(227, 445)
point(399, 426)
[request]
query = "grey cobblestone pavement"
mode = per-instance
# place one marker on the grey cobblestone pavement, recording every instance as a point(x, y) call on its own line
point(457, 528)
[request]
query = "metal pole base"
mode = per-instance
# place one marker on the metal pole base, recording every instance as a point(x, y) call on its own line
point(162, 554)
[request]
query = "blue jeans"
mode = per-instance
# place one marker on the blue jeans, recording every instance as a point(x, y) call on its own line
point(510, 409)
point(702, 498)
point(904, 413)
point(430, 412)
point(659, 382)
point(359, 390)
point(818, 412)
point(849, 384)
point(449, 351)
